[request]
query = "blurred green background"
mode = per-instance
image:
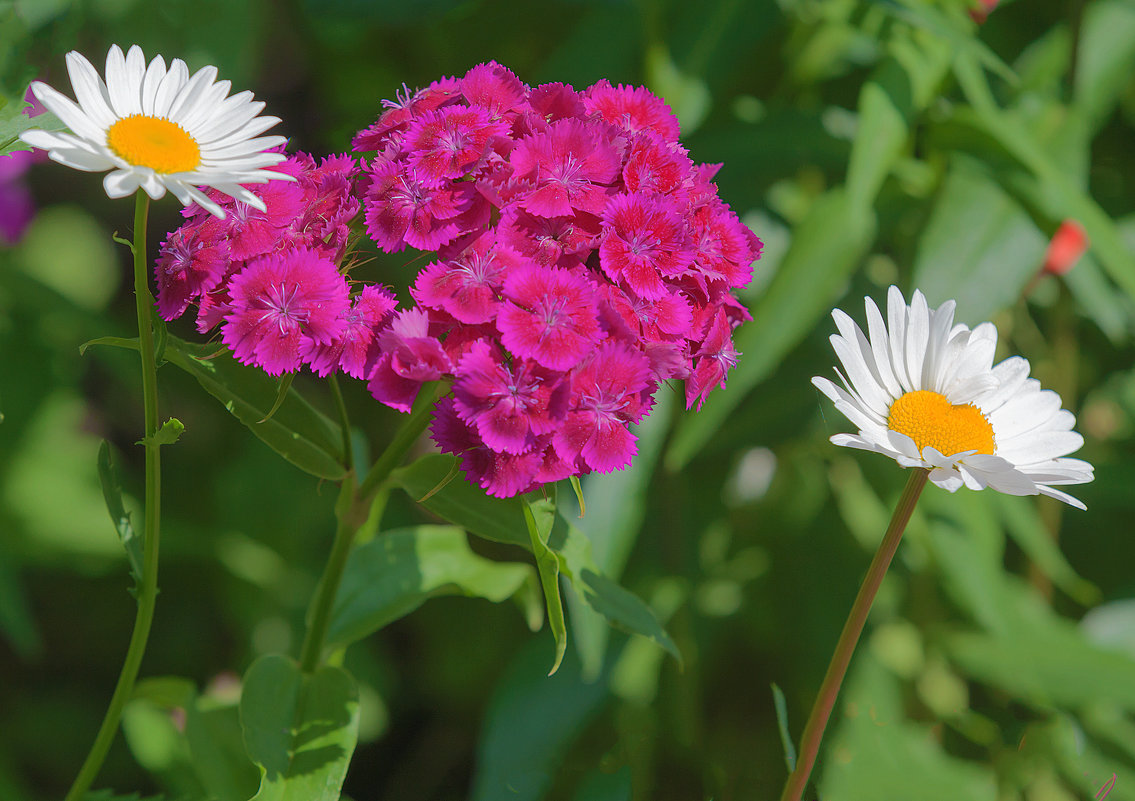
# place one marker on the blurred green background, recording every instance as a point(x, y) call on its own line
point(866, 144)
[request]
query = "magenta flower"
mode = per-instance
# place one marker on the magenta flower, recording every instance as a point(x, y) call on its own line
point(467, 286)
point(712, 361)
point(193, 260)
point(571, 165)
point(403, 211)
point(578, 258)
point(644, 241)
point(507, 405)
point(447, 143)
point(607, 393)
point(410, 356)
point(356, 346)
point(552, 316)
point(632, 108)
point(278, 304)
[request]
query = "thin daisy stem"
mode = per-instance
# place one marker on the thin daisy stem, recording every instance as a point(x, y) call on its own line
point(148, 589)
point(837, 668)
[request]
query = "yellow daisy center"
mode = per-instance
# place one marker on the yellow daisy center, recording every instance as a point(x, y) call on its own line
point(931, 420)
point(153, 142)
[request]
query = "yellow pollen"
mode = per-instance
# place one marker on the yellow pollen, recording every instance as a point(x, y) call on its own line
point(153, 142)
point(929, 419)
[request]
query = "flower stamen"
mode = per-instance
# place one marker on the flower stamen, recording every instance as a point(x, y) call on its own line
point(154, 142)
point(931, 420)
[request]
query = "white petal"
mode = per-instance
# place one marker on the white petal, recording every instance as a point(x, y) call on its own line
point(1062, 496)
point(917, 337)
point(861, 376)
point(198, 85)
point(896, 328)
point(121, 183)
point(877, 333)
point(152, 184)
point(1026, 412)
point(173, 82)
point(67, 111)
point(1040, 447)
point(155, 74)
point(946, 478)
point(90, 91)
point(78, 159)
point(941, 321)
point(229, 116)
point(188, 194)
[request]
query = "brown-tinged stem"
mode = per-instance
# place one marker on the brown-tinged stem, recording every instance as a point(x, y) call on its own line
point(849, 637)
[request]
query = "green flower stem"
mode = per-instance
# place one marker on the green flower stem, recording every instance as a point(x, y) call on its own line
point(352, 512)
point(837, 668)
point(407, 435)
point(148, 591)
point(344, 421)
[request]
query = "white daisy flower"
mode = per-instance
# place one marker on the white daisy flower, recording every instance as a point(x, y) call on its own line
point(159, 129)
point(925, 392)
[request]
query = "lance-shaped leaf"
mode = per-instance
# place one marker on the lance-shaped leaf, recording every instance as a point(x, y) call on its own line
point(540, 517)
point(462, 504)
point(394, 574)
point(300, 729)
point(296, 430)
point(112, 494)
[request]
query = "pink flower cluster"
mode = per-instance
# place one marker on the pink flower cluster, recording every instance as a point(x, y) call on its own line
point(271, 277)
point(581, 258)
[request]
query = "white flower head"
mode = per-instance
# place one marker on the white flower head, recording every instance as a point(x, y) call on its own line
point(925, 392)
point(159, 129)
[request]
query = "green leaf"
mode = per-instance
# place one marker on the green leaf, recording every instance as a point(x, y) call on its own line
point(299, 729)
point(1024, 525)
point(13, 123)
point(612, 524)
point(1043, 186)
point(900, 87)
point(959, 33)
point(168, 434)
point(110, 795)
point(979, 247)
point(826, 246)
point(112, 494)
point(882, 755)
point(622, 607)
point(281, 394)
point(461, 503)
point(1105, 58)
point(507, 520)
point(297, 431)
point(216, 750)
point(540, 517)
point(781, 707)
point(396, 573)
point(530, 722)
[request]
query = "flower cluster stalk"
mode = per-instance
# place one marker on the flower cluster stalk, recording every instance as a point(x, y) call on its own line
point(849, 637)
point(148, 587)
point(352, 511)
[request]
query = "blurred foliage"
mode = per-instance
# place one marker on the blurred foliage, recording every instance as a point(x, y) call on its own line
point(867, 143)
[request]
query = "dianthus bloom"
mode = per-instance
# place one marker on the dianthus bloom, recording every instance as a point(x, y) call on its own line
point(582, 258)
point(579, 258)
